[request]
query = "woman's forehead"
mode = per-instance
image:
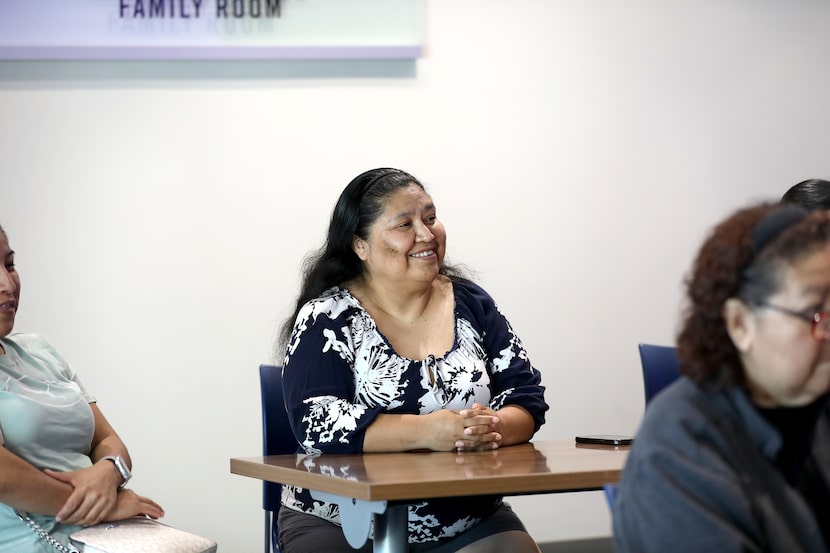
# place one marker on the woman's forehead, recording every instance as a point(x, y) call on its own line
point(809, 273)
point(407, 196)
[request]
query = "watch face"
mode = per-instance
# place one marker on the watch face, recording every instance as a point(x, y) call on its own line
point(121, 466)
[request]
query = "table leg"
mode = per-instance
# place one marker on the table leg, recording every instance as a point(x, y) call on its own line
point(356, 517)
point(392, 530)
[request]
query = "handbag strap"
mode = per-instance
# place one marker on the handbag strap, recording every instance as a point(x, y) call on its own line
point(43, 534)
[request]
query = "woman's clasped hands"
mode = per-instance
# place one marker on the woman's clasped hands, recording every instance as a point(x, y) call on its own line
point(473, 428)
point(480, 429)
point(96, 497)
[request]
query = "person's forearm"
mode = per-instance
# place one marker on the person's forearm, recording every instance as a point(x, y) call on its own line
point(112, 445)
point(438, 431)
point(516, 425)
point(395, 433)
point(26, 488)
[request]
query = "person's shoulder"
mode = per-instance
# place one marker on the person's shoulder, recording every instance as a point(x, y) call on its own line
point(474, 303)
point(678, 403)
point(682, 415)
point(467, 288)
point(37, 346)
point(466, 284)
point(332, 303)
point(333, 294)
point(30, 341)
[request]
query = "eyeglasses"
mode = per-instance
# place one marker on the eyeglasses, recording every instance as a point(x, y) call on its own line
point(819, 321)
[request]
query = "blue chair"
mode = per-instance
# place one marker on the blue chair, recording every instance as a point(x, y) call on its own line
point(660, 368)
point(277, 439)
point(610, 491)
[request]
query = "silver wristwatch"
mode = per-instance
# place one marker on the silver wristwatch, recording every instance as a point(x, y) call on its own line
point(121, 466)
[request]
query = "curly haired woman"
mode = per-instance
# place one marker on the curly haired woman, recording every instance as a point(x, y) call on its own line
point(735, 456)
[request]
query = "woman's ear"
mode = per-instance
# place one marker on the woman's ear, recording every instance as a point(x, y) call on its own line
point(360, 247)
point(740, 324)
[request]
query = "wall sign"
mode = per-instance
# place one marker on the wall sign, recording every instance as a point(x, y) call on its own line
point(209, 29)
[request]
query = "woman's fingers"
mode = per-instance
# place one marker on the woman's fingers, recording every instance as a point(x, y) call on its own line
point(150, 508)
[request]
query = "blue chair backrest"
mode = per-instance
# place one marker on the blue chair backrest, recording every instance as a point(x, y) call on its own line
point(610, 491)
point(277, 439)
point(660, 368)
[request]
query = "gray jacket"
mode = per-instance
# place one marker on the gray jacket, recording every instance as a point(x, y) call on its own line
point(701, 477)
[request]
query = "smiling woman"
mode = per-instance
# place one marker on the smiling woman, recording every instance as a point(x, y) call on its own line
point(60, 460)
point(390, 349)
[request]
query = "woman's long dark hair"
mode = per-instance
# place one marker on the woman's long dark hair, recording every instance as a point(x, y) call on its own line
point(359, 206)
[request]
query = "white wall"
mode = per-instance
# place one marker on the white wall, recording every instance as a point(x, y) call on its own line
point(577, 151)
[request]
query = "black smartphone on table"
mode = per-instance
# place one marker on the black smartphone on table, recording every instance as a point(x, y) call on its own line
point(605, 439)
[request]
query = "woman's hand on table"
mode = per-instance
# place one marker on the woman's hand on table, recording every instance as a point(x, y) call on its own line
point(474, 428)
point(482, 429)
point(448, 430)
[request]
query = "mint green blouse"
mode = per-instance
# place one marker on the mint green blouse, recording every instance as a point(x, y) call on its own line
point(45, 419)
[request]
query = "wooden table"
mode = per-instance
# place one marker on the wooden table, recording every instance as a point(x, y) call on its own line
point(379, 486)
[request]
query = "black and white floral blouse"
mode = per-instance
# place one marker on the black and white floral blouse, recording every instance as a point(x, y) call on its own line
point(340, 373)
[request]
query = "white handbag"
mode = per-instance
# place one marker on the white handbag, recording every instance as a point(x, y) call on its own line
point(132, 535)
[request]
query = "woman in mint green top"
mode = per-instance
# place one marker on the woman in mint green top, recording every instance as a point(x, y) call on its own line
point(60, 459)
